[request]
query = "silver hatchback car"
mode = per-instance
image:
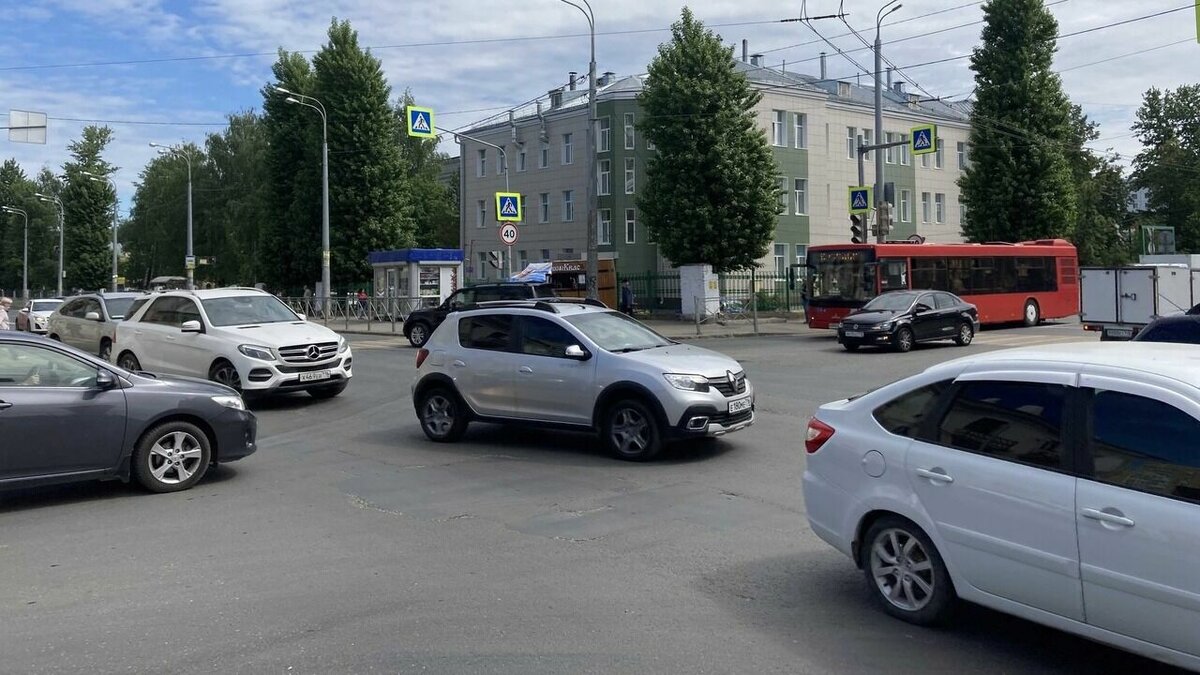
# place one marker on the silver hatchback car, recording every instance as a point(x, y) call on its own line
point(576, 365)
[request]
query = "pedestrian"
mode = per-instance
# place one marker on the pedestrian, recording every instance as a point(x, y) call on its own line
point(362, 303)
point(5, 305)
point(626, 298)
point(308, 306)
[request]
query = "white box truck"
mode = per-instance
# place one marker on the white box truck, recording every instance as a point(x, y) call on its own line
point(1120, 301)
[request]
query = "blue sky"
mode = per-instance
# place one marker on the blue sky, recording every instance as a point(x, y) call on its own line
point(58, 56)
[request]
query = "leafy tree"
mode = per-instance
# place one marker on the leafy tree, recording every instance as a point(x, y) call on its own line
point(1101, 194)
point(1018, 186)
point(236, 183)
point(89, 212)
point(434, 199)
point(155, 236)
point(1168, 125)
point(711, 191)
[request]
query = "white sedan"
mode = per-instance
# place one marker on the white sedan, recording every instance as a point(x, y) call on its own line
point(1059, 484)
point(33, 317)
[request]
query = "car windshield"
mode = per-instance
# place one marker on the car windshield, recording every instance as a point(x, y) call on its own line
point(45, 305)
point(616, 332)
point(241, 310)
point(117, 307)
point(890, 302)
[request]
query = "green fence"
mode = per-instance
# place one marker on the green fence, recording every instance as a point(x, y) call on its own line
point(658, 293)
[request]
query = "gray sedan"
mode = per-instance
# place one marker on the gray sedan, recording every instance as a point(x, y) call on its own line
point(68, 416)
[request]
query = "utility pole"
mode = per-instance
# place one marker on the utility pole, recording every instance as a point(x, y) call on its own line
point(880, 226)
point(593, 255)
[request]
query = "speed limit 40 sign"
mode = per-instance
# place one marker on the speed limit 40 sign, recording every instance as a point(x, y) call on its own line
point(508, 233)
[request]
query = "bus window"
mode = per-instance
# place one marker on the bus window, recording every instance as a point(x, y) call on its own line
point(840, 275)
point(894, 274)
point(929, 273)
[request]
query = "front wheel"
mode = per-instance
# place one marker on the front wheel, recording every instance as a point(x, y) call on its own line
point(965, 334)
point(223, 372)
point(171, 457)
point(1032, 315)
point(443, 415)
point(129, 362)
point(904, 339)
point(905, 572)
point(631, 431)
point(105, 350)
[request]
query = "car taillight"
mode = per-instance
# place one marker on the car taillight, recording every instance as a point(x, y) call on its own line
point(818, 433)
point(422, 354)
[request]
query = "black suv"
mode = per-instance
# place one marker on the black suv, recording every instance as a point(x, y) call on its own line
point(421, 323)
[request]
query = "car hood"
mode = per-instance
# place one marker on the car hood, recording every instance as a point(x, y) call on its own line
point(686, 359)
point(41, 315)
point(877, 316)
point(280, 334)
point(182, 384)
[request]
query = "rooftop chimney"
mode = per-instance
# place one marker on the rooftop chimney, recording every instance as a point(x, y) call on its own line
point(756, 59)
point(889, 77)
point(745, 51)
point(573, 76)
point(913, 100)
point(898, 87)
point(823, 65)
point(606, 78)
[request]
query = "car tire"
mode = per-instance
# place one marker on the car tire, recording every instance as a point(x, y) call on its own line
point(328, 392)
point(129, 362)
point(1032, 314)
point(105, 353)
point(171, 457)
point(55, 337)
point(224, 372)
point(418, 335)
point(849, 347)
point(964, 335)
point(904, 339)
point(442, 414)
point(631, 431)
point(905, 572)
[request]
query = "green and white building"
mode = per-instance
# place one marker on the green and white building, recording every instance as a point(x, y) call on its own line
point(812, 124)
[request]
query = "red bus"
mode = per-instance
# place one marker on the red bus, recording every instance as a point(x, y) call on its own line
point(1027, 282)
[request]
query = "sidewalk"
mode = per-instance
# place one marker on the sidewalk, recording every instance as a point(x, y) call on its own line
point(676, 330)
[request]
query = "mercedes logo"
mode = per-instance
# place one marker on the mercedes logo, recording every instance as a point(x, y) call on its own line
point(313, 352)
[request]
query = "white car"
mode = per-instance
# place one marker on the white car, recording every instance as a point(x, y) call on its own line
point(89, 322)
point(33, 317)
point(244, 338)
point(1060, 484)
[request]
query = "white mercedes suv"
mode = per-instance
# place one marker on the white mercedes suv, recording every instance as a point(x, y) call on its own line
point(241, 337)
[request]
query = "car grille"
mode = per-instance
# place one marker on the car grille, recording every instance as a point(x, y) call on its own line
point(722, 384)
point(301, 353)
point(290, 370)
point(727, 420)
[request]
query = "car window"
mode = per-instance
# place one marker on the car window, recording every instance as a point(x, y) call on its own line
point(890, 301)
point(487, 294)
point(240, 310)
point(926, 299)
point(32, 366)
point(1016, 421)
point(92, 305)
point(118, 308)
point(1146, 445)
point(462, 298)
point(486, 331)
point(945, 301)
point(135, 306)
point(515, 293)
point(1184, 332)
point(541, 337)
point(164, 311)
point(45, 305)
point(616, 332)
point(903, 415)
point(73, 308)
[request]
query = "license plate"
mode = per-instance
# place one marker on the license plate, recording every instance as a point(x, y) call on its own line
point(739, 405)
point(1124, 333)
point(854, 333)
point(314, 376)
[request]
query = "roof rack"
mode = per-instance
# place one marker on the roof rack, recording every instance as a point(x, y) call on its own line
point(541, 304)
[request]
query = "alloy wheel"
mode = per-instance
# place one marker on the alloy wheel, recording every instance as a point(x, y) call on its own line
point(227, 375)
point(175, 457)
point(965, 334)
point(902, 570)
point(630, 431)
point(417, 335)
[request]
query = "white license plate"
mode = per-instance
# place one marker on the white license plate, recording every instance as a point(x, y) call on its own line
point(739, 405)
point(314, 376)
point(1121, 332)
point(853, 333)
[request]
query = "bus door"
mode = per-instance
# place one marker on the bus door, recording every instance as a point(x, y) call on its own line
point(893, 274)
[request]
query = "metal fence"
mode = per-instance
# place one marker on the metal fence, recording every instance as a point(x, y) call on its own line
point(382, 314)
point(772, 293)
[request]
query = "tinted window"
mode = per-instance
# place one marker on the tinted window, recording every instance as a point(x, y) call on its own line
point(945, 301)
point(544, 338)
point(135, 306)
point(45, 305)
point(1017, 421)
point(92, 305)
point(514, 292)
point(164, 311)
point(461, 298)
point(1144, 444)
point(73, 308)
point(118, 308)
point(1185, 332)
point(488, 331)
point(241, 310)
point(926, 300)
point(486, 294)
point(29, 366)
point(903, 415)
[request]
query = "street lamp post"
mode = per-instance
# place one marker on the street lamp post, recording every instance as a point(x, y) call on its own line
point(187, 157)
point(105, 179)
point(53, 199)
point(310, 102)
point(25, 254)
point(593, 256)
point(880, 235)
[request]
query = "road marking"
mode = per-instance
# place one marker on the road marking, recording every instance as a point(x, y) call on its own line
point(379, 344)
point(1031, 340)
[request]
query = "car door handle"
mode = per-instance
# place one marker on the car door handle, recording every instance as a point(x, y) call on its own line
point(1106, 517)
point(935, 475)
point(459, 363)
point(525, 370)
point(5, 405)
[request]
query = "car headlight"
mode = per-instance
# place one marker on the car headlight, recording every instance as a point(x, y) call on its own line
point(687, 382)
point(231, 401)
point(886, 325)
point(342, 345)
point(257, 352)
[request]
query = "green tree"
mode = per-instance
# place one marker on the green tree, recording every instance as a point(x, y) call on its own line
point(89, 217)
point(434, 199)
point(711, 192)
point(235, 175)
point(16, 191)
point(1100, 192)
point(1018, 186)
point(155, 235)
point(1168, 125)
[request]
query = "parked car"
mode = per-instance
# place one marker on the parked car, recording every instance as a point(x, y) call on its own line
point(1060, 484)
point(89, 322)
point(901, 319)
point(1180, 328)
point(34, 316)
point(576, 365)
point(244, 338)
point(421, 323)
point(68, 416)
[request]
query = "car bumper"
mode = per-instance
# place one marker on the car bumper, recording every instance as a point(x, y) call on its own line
point(261, 377)
point(827, 507)
point(707, 415)
point(867, 337)
point(236, 434)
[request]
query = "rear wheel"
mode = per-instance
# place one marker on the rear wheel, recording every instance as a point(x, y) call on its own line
point(904, 339)
point(418, 335)
point(129, 362)
point(1032, 315)
point(631, 431)
point(905, 572)
point(965, 334)
point(443, 415)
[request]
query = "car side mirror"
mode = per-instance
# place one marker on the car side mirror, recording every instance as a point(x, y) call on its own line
point(578, 353)
point(302, 317)
point(92, 316)
point(192, 326)
point(105, 380)
point(921, 309)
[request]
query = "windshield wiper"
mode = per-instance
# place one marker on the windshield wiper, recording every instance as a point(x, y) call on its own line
point(626, 350)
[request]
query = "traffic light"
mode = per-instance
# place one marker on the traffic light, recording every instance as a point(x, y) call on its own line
point(856, 229)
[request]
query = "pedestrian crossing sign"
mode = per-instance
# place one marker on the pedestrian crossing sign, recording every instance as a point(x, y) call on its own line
point(508, 206)
point(924, 139)
point(860, 199)
point(420, 122)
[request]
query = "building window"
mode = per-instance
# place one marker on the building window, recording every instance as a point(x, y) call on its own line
point(629, 175)
point(905, 199)
point(851, 142)
point(544, 156)
point(905, 151)
point(780, 260)
point(778, 130)
point(604, 227)
point(544, 207)
point(868, 138)
point(630, 132)
point(889, 155)
point(650, 145)
point(924, 207)
point(604, 177)
point(480, 212)
point(939, 213)
point(523, 258)
point(524, 211)
point(783, 195)
point(962, 156)
point(962, 211)
point(801, 254)
point(568, 154)
point(521, 160)
point(568, 252)
point(568, 212)
point(481, 163)
point(545, 255)
point(483, 265)
point(799, 122)
point(939, 157)
point(801, 196)
point(604, 138)
point(630, 226)
point(925, 161)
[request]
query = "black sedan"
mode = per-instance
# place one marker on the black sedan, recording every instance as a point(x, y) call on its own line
point(900, 319)
point(1182, 329)
point(68, 416)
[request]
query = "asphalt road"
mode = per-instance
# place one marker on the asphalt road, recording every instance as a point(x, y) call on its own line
point(349, 543)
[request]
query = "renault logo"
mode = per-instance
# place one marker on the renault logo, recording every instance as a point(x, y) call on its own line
point(314, 352)
point(730, 378)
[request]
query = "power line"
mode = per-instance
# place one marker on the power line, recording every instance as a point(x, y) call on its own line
point(889, 23)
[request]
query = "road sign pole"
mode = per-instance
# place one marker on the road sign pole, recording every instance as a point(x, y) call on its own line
point(508, 274)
